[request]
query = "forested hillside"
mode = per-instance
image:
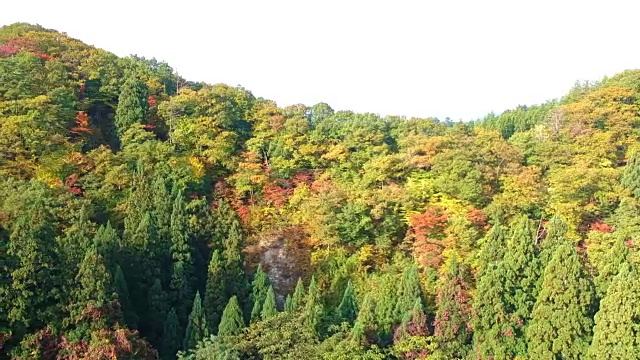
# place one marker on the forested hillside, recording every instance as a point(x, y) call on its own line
point(144, 216)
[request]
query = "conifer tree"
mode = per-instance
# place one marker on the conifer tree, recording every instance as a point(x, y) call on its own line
point(35, 279)
point(492, 249)
point(631, 175)
point(107, 243)
point(561, 324)
point(76, 242)
point(297, 300)
point(231, 322)
point(130, 316)
point(182, 266)
point(235, 281)
point(453, 315)
point(170, 336)
point(556, 230)
point(214, 298)
point(94, 285)
point(259, 293)
point(616, 257)
point(408, 291)
point(364, 327)
point(313, 309)
point(158, 307)
point(196, 325)
point(133, 104)
point(616, 334)
point(269, 308)
point(385, 306)
point(348, 308)
point(288, 304)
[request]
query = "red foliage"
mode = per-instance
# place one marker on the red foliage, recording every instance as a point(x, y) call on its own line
point(7, 50)
point(152, 101)
point(82, 124)
point(149, 127)
point(477, 217)
point(302, 178)
point(71, 183)
point(427, 230)
point(601, 227)
point(276, 194)
point(416, 326)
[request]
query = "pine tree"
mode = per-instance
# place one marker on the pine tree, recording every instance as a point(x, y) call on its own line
point(75, 243)
point(631, 175)
point(182, 266)
point(132, 104)
point(313, 309)
point(561, 324)
point(616, 334)
point(231, 322)
point(158, 307)
point(408, 291)
point(364, 327)
point(492, 249)
point(453, 315)
point(214, 298)
point(107, 243)
point(556, 230)
point(235, 280)
point(348, 308)
point(494, 332)
point(520, 272)
point(613, 260)
point(196, 325)
point(269, 307)
point(258, 295)
point(385, 306)
point(35, 279)
point(288, 304)
point(170, 336)
point(297, 300)
point(95, 286)
point(130, 316)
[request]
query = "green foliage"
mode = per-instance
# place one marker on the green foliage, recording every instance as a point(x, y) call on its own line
point(196, 325)
point(132, 104)
point(259, 294)
point(182, 265)
point(214, 297)
point(561, 321)
point(130, 317)
point(232, 321)
point(348, 308)
point(269, 306)
point(616, 331)
point(631, 175)
point(408, 291)
point(95, 286)
point(170, 336)
point(297, 300)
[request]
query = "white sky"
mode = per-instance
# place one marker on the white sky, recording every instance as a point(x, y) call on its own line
point(460, 59)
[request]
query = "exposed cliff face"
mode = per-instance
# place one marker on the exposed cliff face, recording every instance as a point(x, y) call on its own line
point(284, 256)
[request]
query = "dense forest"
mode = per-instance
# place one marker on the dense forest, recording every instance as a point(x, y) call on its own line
point(144, 216)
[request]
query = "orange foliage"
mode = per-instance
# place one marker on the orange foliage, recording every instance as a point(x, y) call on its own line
point(601, 227)
point(82, 124)
point(427, 231)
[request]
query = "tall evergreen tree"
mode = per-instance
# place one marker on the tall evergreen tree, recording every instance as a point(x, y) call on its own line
point(364, 327)
point(130, 316)
point(385, 306)
point(133, 104)
point(269, 308)
point(170, 336)
point(235, 281)
point(313, 309)
point(297, 300)
point(95, 285)
point(453, 315)
point(196, 325)
point(631, 175)
point(259, 293)
point(158, 308)
point(288, 304)
point(561, 324)
point(35, 279)
point(107, 242)
point(182, 265)
point(408, 291)
point(492, 249)
point(616, 257)
point(616, 334)
point(214, 296)
point(348, 308)
point(556, 230)
point(232, 322)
